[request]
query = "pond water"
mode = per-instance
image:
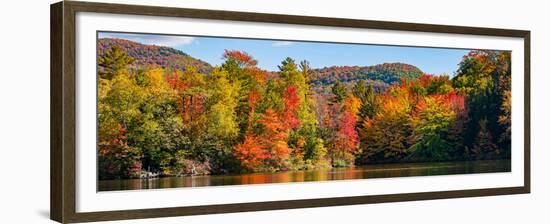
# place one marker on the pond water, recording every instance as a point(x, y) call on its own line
point(360, 172)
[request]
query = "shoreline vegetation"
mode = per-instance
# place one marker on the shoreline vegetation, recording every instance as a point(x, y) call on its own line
point(162, 113)
point(402, 166)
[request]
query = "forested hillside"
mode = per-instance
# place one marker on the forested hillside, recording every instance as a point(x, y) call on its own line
point(388, 72)
point(320, 78)
point(147, 55)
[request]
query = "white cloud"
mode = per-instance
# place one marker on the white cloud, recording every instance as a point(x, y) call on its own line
point(159, 40)
point(170, 41)
point(282, 43)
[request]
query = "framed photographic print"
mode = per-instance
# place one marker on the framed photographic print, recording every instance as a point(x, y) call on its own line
point(160, 112)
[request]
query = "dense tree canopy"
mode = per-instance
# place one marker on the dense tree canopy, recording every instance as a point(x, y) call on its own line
point(237, 117)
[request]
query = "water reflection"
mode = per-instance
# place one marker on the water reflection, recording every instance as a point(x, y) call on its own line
point(363, 172)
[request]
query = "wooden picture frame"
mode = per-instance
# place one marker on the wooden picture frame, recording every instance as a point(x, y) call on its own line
point(62, 85)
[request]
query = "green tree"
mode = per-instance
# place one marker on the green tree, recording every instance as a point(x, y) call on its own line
point(370, 102)
point(484, 77)
point(159, 131)
point(305, 67)
point(116, 159)
point(339, 91)
point(113, 62)
point(222, 127)
point(304, 138)
point(484, 148)
point(241, 69)
point(431, 124)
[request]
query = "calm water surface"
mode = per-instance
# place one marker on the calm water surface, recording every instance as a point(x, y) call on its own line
point(361, 172)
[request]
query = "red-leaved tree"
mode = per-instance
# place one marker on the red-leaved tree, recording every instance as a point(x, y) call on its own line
point(250, 153)
point(292, 102)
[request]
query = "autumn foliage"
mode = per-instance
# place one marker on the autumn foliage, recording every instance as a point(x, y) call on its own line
point(292, 102)
point(250, 153)
point(237, 117)
point(242, 58)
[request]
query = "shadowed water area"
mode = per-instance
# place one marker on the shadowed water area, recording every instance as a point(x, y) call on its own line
point(361, 172)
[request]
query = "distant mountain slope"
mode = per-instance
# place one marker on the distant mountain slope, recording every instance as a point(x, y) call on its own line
point(321, 79)
point(387, 73)
point(165, 57)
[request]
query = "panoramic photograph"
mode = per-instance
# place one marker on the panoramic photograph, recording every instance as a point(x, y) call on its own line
point(179, 111)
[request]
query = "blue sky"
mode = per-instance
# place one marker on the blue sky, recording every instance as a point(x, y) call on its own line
point(270, 53)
